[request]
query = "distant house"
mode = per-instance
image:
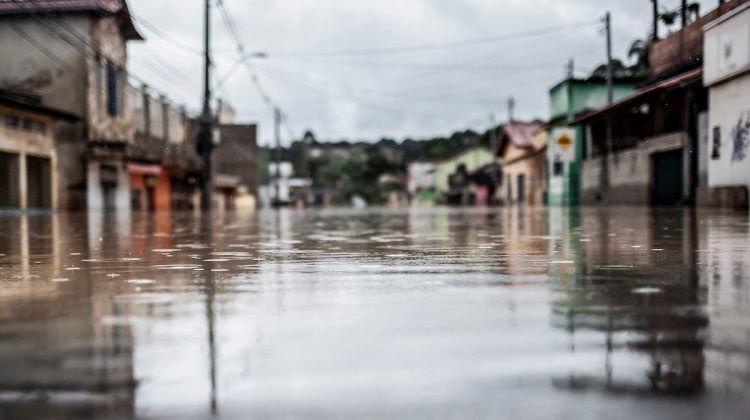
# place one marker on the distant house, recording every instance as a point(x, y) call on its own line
point(454, 176)
point(522, 151)
point(421, 185)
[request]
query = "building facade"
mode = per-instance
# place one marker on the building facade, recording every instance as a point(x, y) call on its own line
point(522, 152)
point(658, 152)
point(727, 77)
point(566, 149)
point(74, 55)
point(28, 153)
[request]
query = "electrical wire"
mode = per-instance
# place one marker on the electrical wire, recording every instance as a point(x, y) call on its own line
point(435, 47)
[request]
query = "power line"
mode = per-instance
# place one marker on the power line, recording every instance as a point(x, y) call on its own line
point(434, 47)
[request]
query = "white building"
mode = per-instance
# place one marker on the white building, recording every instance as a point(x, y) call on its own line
point(421, 177)
point(727, 76)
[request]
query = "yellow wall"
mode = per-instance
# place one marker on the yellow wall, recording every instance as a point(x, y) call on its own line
point(532, 168)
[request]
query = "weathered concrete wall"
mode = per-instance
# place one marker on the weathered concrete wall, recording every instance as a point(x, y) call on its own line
point(237, 155)
point(630, 173)
point(106, 36)
point(43, 62)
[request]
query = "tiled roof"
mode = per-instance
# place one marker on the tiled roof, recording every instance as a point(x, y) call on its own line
point(519, 134)
point(114, 7)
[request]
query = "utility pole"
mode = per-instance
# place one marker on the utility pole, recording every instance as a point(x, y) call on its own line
point(570, 70)
point(683, 13)
point(277, 157)
point(610, 98)
point(205, 138)
point(493, 134)
point(511, 108)
point(610, 75)
point(655, 28)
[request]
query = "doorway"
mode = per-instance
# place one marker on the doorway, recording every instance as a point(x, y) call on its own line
point(521, 189)
point(9, 181)
point(39, 176)
point(668, 178)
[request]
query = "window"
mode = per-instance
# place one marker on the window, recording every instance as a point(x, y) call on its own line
point(40, 127)
point(12, 121)
point(113, 100)
point(558, 169)
point(28, 124)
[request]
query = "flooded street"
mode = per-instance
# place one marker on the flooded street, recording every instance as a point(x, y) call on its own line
point(417, 313)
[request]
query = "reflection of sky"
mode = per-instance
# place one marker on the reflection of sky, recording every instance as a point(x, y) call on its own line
point(343, 314)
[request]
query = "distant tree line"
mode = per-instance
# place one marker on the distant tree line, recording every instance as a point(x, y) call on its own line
point(349, 168)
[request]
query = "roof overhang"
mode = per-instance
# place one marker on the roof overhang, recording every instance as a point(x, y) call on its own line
point(681, 80)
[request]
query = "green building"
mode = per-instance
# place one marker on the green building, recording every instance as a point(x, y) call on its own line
point(472, 159)
point(567, 146)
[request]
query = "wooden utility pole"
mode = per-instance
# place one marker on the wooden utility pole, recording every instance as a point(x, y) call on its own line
point(511, 108)
point(205, 139)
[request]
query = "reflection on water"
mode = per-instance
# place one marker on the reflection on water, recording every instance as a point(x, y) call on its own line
point(435, 313)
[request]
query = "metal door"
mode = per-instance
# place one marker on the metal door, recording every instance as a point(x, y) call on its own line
point(668, 178)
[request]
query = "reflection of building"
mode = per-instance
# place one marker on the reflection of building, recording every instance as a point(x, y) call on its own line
point(727, 75)
point(635, 310)
point(57, 341)
point(521, 149)
point(28, 155)
point(569, 99)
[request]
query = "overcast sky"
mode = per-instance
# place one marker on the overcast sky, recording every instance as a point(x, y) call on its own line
point(367, 69)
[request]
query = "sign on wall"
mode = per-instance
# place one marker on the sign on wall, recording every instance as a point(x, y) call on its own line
point(564, 145)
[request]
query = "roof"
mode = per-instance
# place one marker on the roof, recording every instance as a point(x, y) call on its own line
point(597, 80)
point(683, 79)
point(118, 8)
point(519, 134)
point(32, 103)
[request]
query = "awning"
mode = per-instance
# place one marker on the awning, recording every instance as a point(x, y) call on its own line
point(143, 169)
point(683, 79)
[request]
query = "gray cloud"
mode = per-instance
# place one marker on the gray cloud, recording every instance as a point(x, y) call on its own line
point(409, 94)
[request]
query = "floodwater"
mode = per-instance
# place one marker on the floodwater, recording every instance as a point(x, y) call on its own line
point(404, 314)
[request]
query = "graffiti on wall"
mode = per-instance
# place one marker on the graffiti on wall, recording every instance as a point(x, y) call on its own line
point(716, 146)
point(741, 138)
